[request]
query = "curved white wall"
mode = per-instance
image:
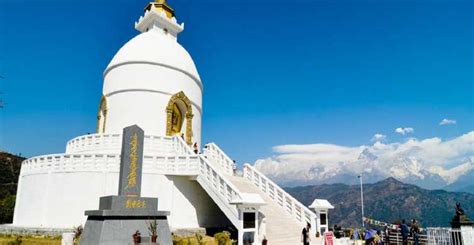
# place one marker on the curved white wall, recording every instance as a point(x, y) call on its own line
point(58, 199)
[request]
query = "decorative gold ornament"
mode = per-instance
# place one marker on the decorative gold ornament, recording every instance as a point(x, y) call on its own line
point(102, 113)
point(174, 116)
point(132, 176)
point(161, 5)
point(176, 120)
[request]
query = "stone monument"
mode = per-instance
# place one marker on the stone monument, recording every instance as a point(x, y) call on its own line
point(120, 217)
point(461, 221)
point(460, 218)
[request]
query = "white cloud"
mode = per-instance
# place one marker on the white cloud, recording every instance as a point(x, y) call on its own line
point(446, 121)
point(404, 131)
point(378, 138)
point(431, 161)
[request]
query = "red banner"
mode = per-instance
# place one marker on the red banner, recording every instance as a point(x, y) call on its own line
point(329, 238)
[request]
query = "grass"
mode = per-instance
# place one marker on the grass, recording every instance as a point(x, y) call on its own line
point(29, 240)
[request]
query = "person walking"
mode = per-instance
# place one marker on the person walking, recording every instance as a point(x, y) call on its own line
point(405, 232)
point(234, 167)
point(415, 232)
point(196, 148)
point(305, 239)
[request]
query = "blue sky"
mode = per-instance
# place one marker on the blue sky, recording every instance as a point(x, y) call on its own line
point(274, 72)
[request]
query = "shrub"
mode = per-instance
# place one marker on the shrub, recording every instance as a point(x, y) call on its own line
point(194, 240)
point(7, 205)
point(223, 238)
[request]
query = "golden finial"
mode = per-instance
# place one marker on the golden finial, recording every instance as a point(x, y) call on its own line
point(161, 5)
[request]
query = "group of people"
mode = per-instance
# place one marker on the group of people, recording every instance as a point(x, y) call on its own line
point(413, 230)
point(375, 237)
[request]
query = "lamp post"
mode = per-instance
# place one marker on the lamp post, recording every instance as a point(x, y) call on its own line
point(361, 198)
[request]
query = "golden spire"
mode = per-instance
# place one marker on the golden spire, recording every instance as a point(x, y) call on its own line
point(161, 5)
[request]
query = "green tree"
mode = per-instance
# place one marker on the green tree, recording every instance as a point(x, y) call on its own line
point(7, 206)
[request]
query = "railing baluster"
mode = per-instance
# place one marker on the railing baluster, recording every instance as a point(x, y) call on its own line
point(283, 199)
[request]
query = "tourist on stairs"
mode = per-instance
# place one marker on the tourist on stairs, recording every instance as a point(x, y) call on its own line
point(305, 234)
point(196, 148)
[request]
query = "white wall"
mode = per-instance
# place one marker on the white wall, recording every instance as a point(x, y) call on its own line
point(195, 205)
point(58, 200)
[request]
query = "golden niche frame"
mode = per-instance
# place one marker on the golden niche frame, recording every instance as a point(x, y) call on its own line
point(189, 115)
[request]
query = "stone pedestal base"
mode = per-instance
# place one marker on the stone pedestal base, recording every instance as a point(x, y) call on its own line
point(119, 217)
point(464, 223)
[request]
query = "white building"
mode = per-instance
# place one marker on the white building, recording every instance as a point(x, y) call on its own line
point(152, 82)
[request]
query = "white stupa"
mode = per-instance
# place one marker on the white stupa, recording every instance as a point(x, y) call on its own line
point(152, 82)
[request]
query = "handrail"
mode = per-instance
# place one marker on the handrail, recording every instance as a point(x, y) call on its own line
point(219, 187)
point(172, 165)
point(234, 189)
point(181, 146)
point(189, 150)
point(111, 143)
point(215, 153)
point(296, 209)
point(447, 235)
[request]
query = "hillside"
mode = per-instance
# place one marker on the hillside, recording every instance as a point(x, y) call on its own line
point(9, 171)
point(388, 200)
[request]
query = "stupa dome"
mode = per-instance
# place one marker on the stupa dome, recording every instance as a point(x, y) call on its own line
point(157, 48)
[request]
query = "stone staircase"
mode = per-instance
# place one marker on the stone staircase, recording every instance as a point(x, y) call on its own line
point(281, 228)
point(284, 216)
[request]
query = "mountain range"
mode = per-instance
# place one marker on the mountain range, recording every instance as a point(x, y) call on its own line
point(388, 200)
point(429, 163)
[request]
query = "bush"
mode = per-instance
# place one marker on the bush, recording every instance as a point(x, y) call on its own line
point(184, 241)
point(223, 238)
point(194, 240)
point(7, 206)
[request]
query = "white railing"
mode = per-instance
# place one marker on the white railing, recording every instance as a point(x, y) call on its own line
point(170, 165)
point(219, 184)
point(216, 155)
point(181, 147)
point(215, 183)
point(450, 236)
point(109, 143)
point(395, 237)
point(292, 206)
point(69, 163)
point(112, 143)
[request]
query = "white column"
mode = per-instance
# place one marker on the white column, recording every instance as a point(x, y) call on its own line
point(255, 234)
point(240, 239)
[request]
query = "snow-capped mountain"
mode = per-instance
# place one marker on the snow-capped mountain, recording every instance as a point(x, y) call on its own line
point(430, 163)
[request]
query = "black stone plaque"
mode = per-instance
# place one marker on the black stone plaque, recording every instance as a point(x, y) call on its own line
point(119, 217)
point(131, 160)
